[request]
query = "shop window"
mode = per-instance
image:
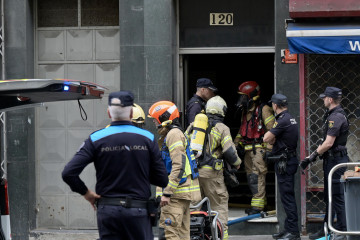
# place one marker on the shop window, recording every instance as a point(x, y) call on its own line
point(100, 13)
point(65, 13)
point(57, 13)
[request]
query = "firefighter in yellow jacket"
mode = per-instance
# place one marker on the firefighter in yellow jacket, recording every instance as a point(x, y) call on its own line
point(256, 119)
point(180, 163)
point(218, 147)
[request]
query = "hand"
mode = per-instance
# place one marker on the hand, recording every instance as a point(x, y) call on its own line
point(91, 197)
point(164, 201)
point(304, 164)
point(272, 141)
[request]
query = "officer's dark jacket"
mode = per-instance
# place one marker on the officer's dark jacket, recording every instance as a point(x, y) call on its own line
point(336, 125)
point(194, 106)
point(126, 159)
point(286, 132)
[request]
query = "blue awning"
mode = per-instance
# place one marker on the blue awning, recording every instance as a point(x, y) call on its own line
point(323, 39)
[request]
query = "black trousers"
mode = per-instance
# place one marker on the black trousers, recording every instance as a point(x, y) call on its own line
point(117, 222)
point(338, 202)
point(287, 194)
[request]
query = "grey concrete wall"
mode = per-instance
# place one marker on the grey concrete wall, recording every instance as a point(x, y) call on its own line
point(147, 47)
point(19, 50)
point(287, 83)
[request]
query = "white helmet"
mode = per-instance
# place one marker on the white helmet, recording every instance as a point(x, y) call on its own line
point(216, 105)
point(138, 114)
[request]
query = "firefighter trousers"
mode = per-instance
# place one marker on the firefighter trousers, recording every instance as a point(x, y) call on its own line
point(215, 189)
point(175, 219)
point(256, 170)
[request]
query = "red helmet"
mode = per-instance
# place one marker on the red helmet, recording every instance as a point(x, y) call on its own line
point(163, 111)
point(249, 88)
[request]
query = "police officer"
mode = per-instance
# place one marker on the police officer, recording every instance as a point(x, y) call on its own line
point(333, 151)
point(284, 136)
point(181, 166)
point(205, 90)
point(218, 146)
point(127, 160)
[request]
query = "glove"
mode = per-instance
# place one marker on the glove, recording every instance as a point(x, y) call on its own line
point(308, 160)
point(230, 178)
point(281, 165)
point(304, 163)
point(240, 151)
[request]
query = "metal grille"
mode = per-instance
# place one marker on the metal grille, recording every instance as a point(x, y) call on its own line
point(342, 71)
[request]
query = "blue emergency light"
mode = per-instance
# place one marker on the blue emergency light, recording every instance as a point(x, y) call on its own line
point(66, 88)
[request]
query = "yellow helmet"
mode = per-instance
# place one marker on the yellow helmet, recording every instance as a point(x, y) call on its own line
point(138, 114)
point(216, 105)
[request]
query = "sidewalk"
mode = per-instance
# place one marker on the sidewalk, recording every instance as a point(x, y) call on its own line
point(258, 237)
point(92, 235)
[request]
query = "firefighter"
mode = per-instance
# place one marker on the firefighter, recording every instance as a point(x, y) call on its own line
point(205, 90)
point(256, 119)
point(218, 146)
point(183, 183)
point(138, 118)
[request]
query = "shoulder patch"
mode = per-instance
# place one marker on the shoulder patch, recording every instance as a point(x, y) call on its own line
point(331, 124)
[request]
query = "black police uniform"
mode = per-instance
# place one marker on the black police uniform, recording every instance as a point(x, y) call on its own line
point(286, 132)
point(195, 105)
point(127, 160)
point(336, 125)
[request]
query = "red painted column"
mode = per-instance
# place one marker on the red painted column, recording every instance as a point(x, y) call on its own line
point(302, 94)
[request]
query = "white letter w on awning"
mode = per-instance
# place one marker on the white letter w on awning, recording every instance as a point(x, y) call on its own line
point(354, 45)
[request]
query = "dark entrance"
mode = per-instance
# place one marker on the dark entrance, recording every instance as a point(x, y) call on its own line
point(228, 71)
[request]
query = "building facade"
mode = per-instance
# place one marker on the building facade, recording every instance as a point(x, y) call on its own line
point(157, 49)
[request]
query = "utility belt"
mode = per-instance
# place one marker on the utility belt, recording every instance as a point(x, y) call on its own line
point(252, 146)
point(281, 160)
point(152, 205)
point(249, 146)
point(282, 155)
point(208, 159)
point(124, 202)
point(332, 153)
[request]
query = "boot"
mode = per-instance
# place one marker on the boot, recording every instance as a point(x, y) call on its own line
point(279, 234)
point(290, 236)
point(319, 234)
point(252, 211)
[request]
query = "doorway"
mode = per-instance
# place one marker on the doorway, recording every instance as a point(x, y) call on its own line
point(228, 71)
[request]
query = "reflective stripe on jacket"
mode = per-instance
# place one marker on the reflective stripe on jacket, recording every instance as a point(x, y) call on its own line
point(180, 167)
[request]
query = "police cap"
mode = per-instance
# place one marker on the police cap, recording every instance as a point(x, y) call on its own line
point(206, 83)
point(279, 99)
point(126, 98)
point(332, 92)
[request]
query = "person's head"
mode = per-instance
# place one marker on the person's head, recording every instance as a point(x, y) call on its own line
point(332, 97)
point(163, 113)
point(279, 102)
point(120, 106)
point(249, 93)
point(216, 106)
point(205, 88)
point(138, 118)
